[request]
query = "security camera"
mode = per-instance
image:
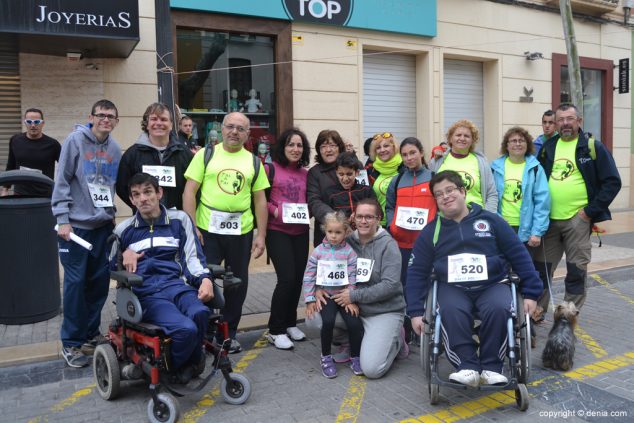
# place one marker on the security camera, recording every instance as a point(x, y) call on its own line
point(533, 56)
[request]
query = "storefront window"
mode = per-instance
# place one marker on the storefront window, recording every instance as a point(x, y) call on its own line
point(592, 94)
point(221, 72)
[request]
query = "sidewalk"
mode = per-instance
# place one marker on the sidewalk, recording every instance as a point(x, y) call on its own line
point(21, 344)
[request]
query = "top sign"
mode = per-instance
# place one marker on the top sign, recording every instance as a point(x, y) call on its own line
point(624, 76)
point(417, 17)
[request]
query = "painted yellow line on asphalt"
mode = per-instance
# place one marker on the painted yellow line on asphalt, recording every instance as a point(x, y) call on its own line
point(591, 344)
point(489, 402)
point(612, 288)
point(351, 405)
point(209, 399)
point(65, 403)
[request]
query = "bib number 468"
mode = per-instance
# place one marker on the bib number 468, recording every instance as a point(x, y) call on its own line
point(337, 275)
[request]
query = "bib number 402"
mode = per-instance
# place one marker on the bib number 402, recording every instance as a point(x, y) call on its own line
point(298, 215)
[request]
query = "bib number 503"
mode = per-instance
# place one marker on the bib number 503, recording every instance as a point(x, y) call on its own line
point(228, 225)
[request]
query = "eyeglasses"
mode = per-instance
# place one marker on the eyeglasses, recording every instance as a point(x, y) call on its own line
point(367, 218)
point(103, 116)
point(569, 119)
point(329, 146)
point(383, 135)
point(33, 121)
point(238, 128)
point(439, 195)
point(518, 141)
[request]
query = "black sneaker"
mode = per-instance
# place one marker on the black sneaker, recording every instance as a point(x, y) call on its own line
point(90, 345)
point(75, 357)
point(235, 347)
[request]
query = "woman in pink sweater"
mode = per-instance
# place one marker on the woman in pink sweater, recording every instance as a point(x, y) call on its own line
point(287, 233)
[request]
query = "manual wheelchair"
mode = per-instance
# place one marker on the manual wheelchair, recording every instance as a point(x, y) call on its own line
point(518, 352)
point(137, 350)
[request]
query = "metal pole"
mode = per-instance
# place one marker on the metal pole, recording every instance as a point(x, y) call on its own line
point(574, 67)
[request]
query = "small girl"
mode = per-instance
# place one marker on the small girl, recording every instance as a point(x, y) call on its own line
point(332, 267)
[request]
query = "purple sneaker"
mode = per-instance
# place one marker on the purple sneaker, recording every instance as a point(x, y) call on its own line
point(328, 367)
point(355, 365)
point(343, 354)
point(404, 351)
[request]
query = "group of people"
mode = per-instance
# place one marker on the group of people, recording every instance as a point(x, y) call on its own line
point(379, 230)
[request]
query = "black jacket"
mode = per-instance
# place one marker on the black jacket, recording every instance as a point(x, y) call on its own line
point(143, 153)
point(600, 174)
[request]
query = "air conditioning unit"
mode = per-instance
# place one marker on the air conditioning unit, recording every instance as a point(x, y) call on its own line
point(590, 7)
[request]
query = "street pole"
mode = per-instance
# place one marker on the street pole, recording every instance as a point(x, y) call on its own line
point(574, 67)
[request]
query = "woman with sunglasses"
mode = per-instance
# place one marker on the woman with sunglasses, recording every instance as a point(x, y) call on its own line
point(386, 164)
point(471, 165)
point(524, 196)
point(410, 203)
point(323, 175)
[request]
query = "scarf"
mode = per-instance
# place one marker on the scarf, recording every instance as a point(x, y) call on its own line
point(389, 167)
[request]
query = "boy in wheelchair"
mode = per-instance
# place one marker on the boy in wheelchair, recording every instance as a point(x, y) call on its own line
point(470, 250)
point(161, 246)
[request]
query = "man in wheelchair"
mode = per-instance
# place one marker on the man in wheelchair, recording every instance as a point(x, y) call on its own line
point(161, 246)
point(470, 250)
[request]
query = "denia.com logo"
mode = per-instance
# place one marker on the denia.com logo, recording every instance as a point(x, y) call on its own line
point(334, 12)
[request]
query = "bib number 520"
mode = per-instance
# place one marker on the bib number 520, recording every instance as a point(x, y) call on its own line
point(471, 268)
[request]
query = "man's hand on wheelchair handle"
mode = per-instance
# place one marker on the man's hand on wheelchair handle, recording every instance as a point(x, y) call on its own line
point(130, 260)
point(418, 325)
point(530, 306)
point(206, 290)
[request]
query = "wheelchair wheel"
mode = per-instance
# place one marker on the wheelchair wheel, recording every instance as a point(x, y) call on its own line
point(106, 372)
point(425, 341)
point(521, 397)
point(524, 365)
point(166, 411)
point(434, 393)
point(237, 391)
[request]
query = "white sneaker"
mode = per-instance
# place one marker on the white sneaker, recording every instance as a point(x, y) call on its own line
point(489, 377)
point(295, 334)
point(281, 342)
point(466, 377)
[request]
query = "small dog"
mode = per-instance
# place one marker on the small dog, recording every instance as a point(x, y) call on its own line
point(559, 351)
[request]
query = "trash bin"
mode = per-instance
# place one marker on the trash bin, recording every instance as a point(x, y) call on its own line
point(29, 267)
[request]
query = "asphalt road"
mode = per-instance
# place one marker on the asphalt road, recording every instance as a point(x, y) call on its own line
point(287, 386)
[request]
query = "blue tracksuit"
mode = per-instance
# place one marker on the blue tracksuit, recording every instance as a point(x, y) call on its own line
point(480, 232)
point(172, 268)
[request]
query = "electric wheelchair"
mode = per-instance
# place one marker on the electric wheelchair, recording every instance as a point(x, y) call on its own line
point(137, 350)
point(518, 351)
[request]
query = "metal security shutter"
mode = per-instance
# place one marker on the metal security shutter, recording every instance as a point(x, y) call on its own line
point(389, 94)
point(10, 109)
point(464, 94)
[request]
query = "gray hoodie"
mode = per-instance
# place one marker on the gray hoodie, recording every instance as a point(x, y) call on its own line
point(84, 159)
point(383, 293)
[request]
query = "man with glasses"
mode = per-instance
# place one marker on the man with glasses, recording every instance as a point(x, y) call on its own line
point(32, 150)
point(83, 204)
point(228, 185)
point(583, 181)
point(470, 251)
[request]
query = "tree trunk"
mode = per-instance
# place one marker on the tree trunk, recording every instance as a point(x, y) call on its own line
point(574, 67)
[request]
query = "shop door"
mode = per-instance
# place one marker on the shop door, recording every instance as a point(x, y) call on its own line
point(389, 94)
point(463, 94)
point(10, 108)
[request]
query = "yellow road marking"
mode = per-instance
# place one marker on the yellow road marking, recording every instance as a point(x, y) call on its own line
point(209, 399)
point(489, 402)
point(590, 343)
point(612, 288)
point(351, 405)
point(67, 402)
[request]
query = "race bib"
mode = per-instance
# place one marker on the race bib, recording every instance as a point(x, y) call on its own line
point(411, 218)
point(332, 273)
point(223, 223)
point(362, 178)
point(364, 269)
point(100, 195)
point(295, 213)
point(467, 268)
point(165, 175)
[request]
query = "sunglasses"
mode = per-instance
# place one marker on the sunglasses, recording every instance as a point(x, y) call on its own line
point(33, 121)
point(383, 135)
